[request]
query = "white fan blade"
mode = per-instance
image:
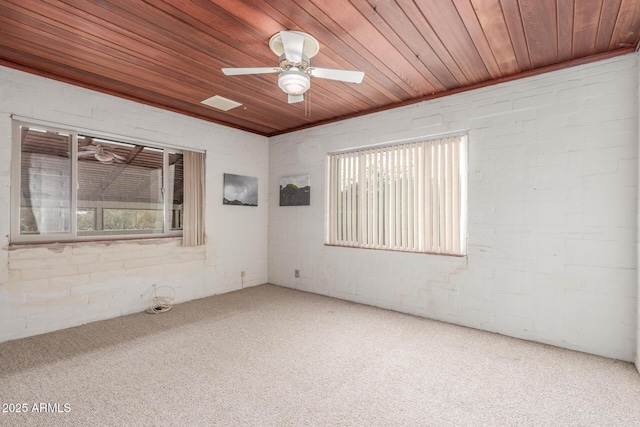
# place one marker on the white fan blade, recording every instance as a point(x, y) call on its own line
point(293, 44)
point(295, 98)
point(243, 71)
point(340, 75)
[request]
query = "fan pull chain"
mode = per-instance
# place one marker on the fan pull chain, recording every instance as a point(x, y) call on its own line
point(307, 104)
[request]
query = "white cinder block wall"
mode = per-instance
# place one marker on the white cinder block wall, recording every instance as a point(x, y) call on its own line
point(552, 212)
point(44, 288)
point(638, 235)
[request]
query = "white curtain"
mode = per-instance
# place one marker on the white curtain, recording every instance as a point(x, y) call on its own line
point(194, 178)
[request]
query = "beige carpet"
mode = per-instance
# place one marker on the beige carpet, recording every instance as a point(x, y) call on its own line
point(269, 356)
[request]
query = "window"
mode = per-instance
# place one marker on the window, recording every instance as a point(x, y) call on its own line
point(74, 185)
point(406, 197)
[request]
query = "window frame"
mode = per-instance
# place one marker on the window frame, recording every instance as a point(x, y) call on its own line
point(72, 236)
point(463, 189)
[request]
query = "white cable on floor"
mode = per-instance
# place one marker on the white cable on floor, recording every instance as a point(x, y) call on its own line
point(161, 304)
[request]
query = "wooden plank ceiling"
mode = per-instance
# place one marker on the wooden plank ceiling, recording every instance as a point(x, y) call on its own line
point(169, 53)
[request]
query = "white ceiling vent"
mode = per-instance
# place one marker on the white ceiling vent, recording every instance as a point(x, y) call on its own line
point(221, 103)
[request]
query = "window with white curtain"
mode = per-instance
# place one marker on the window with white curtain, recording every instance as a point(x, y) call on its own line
point(405, 197)
point(71, 184)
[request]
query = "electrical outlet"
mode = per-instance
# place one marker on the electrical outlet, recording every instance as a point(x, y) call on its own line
point(242, 273)
point(297, 273)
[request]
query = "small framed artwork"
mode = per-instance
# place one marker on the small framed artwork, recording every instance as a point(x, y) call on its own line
point(240, 190)
point(295, 190)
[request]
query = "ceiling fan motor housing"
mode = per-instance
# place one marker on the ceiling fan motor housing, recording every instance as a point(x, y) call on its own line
point(285, 64)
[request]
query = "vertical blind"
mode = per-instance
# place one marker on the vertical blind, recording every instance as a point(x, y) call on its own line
point(407, 197)
point(193, 228)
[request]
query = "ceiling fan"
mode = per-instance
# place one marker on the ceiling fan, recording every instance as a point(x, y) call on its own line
point(294, 49)
point(101, 153)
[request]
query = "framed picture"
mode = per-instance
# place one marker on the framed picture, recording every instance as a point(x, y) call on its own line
point(240, 190)
point(295, 190)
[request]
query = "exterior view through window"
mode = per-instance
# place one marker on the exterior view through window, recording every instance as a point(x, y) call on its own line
point(74, 185)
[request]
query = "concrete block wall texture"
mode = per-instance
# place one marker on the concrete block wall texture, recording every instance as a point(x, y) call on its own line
point(553, 193)
point(552, 214)
point(49, 287)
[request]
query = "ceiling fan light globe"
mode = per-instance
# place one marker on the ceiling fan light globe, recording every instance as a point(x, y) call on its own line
point(294, 89)
point(294, 82)
point(104, 157)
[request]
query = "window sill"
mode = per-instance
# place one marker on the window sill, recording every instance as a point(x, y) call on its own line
point(398, 250)
point(107, 242)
